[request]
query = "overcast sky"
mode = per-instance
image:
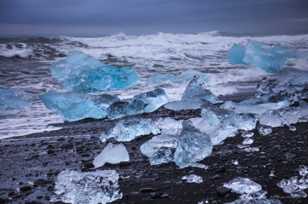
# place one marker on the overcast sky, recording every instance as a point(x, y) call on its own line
point(100, 17)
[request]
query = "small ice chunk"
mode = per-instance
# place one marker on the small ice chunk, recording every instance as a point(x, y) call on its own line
point(264, 130)
point(183, 105)
point(81, 72)
point(192, 146)
point(160, 149)
point(73, 106)
point(192, 178)
point(111, 154)
point(142, 103)
point(11, 100)
point(247, 141)
point(242, 185)
point(128, 129)
point(87, 187)
point(296, 185)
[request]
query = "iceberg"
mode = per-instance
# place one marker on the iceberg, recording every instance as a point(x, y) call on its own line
point(296, 185)
point(87, 187)
point(73, 106)
point(128, 129)
point(82, 73)
point(11, 100)
point(185, 149)
point(192, 178)
point(141, 103)
point(111, 154)
point(268, 58)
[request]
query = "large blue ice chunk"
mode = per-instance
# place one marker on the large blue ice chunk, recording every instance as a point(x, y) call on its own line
point(73, 106)
point(83, 73)
point(11, 100)
point(268, 58)
point(141, 103)
point(236, 54)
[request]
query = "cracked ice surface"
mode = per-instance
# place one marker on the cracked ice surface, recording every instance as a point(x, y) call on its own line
point(111, 154)
point(87, 187)
point(296, 185)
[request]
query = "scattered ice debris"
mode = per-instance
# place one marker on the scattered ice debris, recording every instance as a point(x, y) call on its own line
point(183, 105)
point(83, 73)
point(247, 134)
point(15, 50)
point(185, 149)
point(73, 106)
point(192, 178)
point(87, 187)
point(268, 58)
point(11, 100)
point(292, 128)
point(111, 154)
point(235, 162)
point(250, 191)
point(142, 103)
point(128, 129)
point(296, 185)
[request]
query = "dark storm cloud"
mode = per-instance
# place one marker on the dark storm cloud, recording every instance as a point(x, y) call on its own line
point(142, 16)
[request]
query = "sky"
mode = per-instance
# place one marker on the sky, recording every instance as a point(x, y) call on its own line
point(104, 17)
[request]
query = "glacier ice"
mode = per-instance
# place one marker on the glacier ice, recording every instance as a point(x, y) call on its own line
point(128, 129)
point(11, 100)
point(250, 192)
point(83, 73)
point(87, 187)
point(268, 58)
point(160, 149)
point(220, 124)
point(111, 154)
point(142, 103)
point(296, 185)
point(192, 178)
point(185, 149)
point(242, 185)
point(73, 106)
point(236, 54)
point(192, 146)
point(169, 126)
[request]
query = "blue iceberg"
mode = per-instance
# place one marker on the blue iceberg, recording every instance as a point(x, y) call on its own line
point(268, 58)
point(236, 54)
point(73, 106)
point(11, 100)
point(83, 73)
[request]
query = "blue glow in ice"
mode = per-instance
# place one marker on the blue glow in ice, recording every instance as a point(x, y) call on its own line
point(83, 73)
point(268, 58)
point(236, 54)
point(73, 106)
